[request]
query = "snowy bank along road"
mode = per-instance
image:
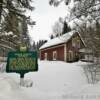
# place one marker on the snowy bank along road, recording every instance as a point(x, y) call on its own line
point(55, 80)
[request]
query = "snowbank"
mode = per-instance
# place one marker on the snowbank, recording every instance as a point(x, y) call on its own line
point(55, 80)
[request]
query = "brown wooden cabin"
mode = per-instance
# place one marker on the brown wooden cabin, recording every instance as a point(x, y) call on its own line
point(63, 48)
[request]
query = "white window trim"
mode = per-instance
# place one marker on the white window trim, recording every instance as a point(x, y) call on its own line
point(45, 56)
point(54, 52)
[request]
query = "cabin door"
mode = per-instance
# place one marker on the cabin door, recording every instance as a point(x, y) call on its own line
point(54, 55)
point(70, 56)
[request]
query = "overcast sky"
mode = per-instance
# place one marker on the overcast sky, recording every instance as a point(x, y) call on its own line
point(45, 17)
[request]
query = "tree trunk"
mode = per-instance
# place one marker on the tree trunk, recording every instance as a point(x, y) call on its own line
point(1, 3)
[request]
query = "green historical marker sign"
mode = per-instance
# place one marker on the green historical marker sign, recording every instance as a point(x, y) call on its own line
point(22, 62)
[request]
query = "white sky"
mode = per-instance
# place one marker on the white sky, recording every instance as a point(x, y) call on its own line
point(45, 17)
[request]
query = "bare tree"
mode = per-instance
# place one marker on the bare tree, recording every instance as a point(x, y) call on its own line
point(57, 28)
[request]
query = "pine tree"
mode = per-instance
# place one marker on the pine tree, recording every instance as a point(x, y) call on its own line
point(51, 36)
point(66, 28)
point(16, 9)
point(12, 16)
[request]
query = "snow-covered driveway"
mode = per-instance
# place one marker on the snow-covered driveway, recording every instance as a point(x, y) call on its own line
point(55, 80)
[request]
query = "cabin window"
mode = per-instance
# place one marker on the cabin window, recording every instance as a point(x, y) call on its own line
point(46, 56)
point(73, 42)
point(70, 55)
point(78, 44)
point(54, 55)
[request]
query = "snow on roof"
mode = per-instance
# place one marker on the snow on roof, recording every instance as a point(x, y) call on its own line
point(59, 40)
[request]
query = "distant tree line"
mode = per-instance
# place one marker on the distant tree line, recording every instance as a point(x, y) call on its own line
point(38, 44)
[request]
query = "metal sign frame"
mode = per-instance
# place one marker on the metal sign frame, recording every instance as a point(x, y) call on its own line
point(22, 62)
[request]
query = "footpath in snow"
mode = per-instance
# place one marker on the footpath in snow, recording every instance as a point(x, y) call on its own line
point(55, 80)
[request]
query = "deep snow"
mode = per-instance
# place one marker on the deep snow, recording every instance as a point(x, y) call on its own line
point(55, 80)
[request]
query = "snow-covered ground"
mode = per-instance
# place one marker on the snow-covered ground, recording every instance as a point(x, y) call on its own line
point(55, 80)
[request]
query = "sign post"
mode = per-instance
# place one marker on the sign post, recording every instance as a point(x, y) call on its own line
point(22, 62)
point(22, 79)
point(22, 48)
